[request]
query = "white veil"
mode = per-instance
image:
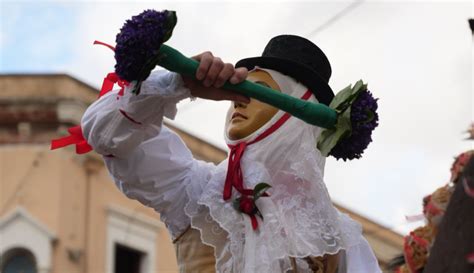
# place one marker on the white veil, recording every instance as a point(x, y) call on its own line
point(299, 218)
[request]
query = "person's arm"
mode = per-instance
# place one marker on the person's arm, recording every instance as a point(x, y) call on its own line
point(116, 125)
point(147, 161)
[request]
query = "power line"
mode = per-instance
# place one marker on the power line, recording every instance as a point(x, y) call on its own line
point(192, 104)
point(22, 182)
point(336, 17)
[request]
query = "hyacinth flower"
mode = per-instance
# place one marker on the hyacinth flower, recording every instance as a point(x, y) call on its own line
point(139, 49)
point(139, 41)
point(357, 117)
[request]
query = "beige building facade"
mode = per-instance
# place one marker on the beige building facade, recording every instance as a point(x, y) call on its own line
point(61, 213)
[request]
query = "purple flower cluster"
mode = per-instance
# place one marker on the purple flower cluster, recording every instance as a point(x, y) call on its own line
point(138, 42)
point(364, 119)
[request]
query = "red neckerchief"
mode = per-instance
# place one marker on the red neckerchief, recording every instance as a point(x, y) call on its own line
point(234, 177)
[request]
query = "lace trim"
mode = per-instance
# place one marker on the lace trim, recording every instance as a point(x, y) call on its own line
point(224, 229)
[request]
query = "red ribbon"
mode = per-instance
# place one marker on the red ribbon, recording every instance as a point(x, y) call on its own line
point(104, 44)
point(108, 84)
point(254, 221)
point(234, 177)
point(76, 137)
point(234, 172)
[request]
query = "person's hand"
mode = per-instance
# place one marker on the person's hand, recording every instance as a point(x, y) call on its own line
point(211, 75)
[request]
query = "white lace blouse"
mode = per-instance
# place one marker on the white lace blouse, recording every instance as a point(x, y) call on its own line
point(151, 164)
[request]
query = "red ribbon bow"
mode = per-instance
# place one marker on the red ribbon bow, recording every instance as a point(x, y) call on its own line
point(108, 84)
point(75, 137)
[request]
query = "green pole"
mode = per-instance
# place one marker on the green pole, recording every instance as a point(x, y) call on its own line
point(313, 113)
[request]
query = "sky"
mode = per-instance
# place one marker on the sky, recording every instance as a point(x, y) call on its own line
point(415, 55)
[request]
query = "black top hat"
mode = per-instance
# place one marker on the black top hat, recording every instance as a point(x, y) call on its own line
point(298, 58)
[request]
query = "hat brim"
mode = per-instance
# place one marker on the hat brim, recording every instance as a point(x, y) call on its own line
point(298, 71)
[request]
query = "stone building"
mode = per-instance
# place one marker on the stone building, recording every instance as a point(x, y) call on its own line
point(61, 213)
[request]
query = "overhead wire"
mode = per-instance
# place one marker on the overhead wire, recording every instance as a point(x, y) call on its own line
point(336, 17)
point(22, 182)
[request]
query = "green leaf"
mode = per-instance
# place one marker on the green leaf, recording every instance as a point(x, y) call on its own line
point(354, 93)
point(329, 138)
point(347, 103)
point(340, 97)
point(342, 104)
point(260, 189)
point(170, 23)
point(346, 97)
point(357, 86)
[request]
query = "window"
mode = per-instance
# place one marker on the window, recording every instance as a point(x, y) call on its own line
point(131, 241)
point(19, 261)
point(25, 244)
point(127, 260)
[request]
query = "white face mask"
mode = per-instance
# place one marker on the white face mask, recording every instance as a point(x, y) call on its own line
point(293, 132)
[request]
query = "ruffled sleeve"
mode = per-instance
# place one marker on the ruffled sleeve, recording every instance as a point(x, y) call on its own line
point(147, 161)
